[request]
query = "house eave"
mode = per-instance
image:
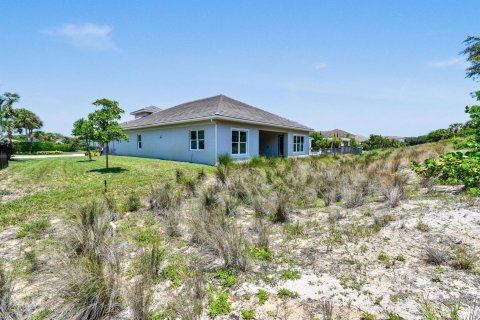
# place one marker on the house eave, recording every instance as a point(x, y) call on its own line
point(219, 117)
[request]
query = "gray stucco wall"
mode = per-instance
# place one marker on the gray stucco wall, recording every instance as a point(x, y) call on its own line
point(173, 142)
point(169, 143)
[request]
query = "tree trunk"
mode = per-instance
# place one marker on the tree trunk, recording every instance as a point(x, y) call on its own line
point(88, 149)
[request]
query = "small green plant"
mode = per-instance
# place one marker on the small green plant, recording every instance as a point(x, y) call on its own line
point(261, 253)
point(227, 276)
point(378, 301)
point(293, 230)
point(220, 306)
point(248, 314)
point(383, 257)
point(463, 260)
point(262, 296)
point(422, 226)
point(367, 316)
point(284, 293)
point(33, 229)
point(42, 314)
point(133, 202)
point(394, 316)
point(400, 258)
point(290, 275)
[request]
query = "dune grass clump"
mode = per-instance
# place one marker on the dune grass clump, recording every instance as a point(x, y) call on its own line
point(89, 268)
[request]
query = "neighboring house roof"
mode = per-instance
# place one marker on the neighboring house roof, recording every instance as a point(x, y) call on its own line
point(217, 107)
point(336, 133)
point(342, 134)
point(360, 138)
point(150, 109)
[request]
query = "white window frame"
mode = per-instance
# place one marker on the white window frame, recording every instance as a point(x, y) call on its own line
point(298, 144)
point(197, 139)
point(247, 144)
point(139, 141)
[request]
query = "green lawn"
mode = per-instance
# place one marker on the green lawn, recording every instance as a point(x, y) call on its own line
point(52, 185)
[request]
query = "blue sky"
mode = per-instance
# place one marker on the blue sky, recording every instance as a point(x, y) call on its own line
point(364, 66)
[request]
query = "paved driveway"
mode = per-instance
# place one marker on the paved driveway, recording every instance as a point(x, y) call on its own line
point(41, 156)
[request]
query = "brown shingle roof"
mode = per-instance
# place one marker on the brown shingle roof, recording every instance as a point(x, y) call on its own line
point(217, 107)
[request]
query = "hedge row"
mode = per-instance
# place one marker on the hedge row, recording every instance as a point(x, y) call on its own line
point(32, 147)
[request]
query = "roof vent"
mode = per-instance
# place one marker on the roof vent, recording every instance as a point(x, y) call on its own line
point(140, 113)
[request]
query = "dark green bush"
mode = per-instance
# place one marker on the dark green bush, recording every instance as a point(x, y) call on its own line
point(32, 147)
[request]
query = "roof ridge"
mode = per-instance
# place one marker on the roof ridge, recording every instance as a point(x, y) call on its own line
point(217, 112)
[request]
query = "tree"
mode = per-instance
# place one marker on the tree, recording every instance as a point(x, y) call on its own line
point(473, 56)
point(105, 124)
point(7, 113)
point(474, 112)
point(83, 129)
point(26, 119)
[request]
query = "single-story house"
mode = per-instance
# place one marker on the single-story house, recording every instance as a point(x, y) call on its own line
point(202, 130)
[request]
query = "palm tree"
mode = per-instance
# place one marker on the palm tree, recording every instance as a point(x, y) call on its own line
point(26, 119)
point(7, 113)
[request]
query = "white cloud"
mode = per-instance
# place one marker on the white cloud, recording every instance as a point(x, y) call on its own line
point(88, 35)
point(321, 65)
point(455, 61)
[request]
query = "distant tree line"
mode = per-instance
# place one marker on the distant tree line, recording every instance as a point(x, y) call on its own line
point(14, 120)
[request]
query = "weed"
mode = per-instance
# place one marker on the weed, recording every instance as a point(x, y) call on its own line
point(394, 316)
point(33, 229)
point(262, 296)
point(462, 259)
point(293, 230)
point(261, 253)
point(327, 309)
point(367, 316)
point(284, 293)
point(220, 306)
point(290, 275)
point(436, 256)
point(248, 314)
point(227, 276)
point(422, 226)
point(133, 202)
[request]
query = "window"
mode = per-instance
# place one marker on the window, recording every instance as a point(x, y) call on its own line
point(139, 141)
point(298, 142)
point(197, 140)
point(239, 142)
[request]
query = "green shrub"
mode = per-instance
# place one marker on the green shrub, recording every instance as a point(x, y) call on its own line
point(227, 276)
point(93, 153)
point(261, 253)
point(284, 293)
point(248, 314)
point(34, 228)
point(452, 168)
point(262, 296)
point(33, 147)
point(220, 306)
